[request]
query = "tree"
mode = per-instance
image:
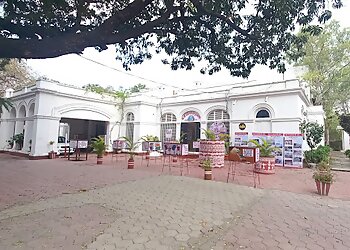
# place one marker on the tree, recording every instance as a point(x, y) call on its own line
point(120, 95)
point(326, 58)
point(236, 34)
point(313, 132)
point(13, 74)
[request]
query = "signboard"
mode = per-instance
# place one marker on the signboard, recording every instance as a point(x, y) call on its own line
point(196, 144)
point(241, 139)
point(218, 128)
point(151, 146)
point(168, 133)
point(175, 148)
point(293, 153)
point(191, 116)
point(78, 144)
point(119, 144)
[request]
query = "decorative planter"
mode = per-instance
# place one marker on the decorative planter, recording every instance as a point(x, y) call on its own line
point(131, 164)
point(52, 155)
point(214, 151)
point(328, 186)
point(266, 166)
point(207, 174)
point(323, 187)
point(99, 160)
point(318, 186)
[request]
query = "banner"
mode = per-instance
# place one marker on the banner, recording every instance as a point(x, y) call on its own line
point(241, 139)
point(293, 152)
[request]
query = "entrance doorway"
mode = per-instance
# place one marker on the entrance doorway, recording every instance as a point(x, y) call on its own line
point(192, 132)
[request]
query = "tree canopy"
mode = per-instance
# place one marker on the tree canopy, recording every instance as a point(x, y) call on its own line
point(236, 34)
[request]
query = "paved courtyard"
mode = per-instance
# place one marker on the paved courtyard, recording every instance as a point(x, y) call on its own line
point(83, 206)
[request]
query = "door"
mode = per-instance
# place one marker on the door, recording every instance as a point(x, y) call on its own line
point(191, 131)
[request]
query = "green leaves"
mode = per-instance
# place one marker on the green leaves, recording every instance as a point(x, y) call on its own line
point(313, 132)
point(266, 149)
point(98, 145)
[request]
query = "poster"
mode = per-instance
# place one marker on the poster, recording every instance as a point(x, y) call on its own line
point(277, 140)
point(196, 144)
point(168, 134)
point(151, 146)
point(241, 139)
point(293, 152)
point(175, 148)
point(119, 144)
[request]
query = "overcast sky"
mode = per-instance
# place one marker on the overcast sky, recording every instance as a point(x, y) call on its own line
point(73, 69)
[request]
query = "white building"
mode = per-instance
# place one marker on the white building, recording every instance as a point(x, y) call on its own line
point(277, 107)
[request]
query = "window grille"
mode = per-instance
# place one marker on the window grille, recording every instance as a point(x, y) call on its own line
point(168, 122)
point(218, 114)
point(263, 113)
point(130, 117)
point(168, 117)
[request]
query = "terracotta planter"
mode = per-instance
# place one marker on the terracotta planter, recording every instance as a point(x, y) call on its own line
point(99, 160)
point(207, 174)
point(52, 155)
point(266, 166)
point(131, 164)
point(175, 159)
point(318, 186)
point(328, 186)
point(214, 151)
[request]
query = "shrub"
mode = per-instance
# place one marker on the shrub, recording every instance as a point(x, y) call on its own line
point(313, 132)
point(347, 153)
point(318, 155)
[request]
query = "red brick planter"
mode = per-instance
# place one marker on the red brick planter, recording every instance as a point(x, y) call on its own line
point(52, 155)
point(266, 165)
point(99, 160)
point(318, 186)
point(207, 174)
point(131, 164)
point(213, 150)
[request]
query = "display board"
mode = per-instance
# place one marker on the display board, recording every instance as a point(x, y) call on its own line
point(293, 152)
point(241, 139)
point(78, 143)
point(196, 144)
point(151, 146)
point(119, 144)
point(171, 148)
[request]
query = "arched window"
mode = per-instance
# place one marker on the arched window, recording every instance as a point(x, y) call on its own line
point(263, 113)
point(218, 121)
point(130, 118)
point(168, 124)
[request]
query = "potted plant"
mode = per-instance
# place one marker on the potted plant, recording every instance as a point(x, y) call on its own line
point(267, 159)
point(323, 178)
point(212, 148)
point(132, 146)
point(207, 166)
point(52, 153)
point(99, 147)
point(18, 139)
point(10, 142)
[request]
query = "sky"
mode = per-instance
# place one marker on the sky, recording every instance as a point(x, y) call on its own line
point(76, 70)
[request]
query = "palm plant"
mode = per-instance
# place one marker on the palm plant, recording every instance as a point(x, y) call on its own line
point(131, 145)
point(266, 149)
point(98, 145)
point(209, 134)
point(6, 103)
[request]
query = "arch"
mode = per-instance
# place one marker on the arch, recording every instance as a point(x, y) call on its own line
point(262, 106)
point(262, 113)
point(218, 114)
point(168, 117)
point(190, 109)
point(22, 112)
point(87, 109)
point(13, 113)
point(130, 117)
point(214, 108)
point(31, 110)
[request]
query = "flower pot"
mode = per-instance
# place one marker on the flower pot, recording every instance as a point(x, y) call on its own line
point(214, 151)
point(99, 160)
point(52, 155)
point(207, 174)
point(323, 187)
point(175, 159)
point(266, 166)
point(328, 186)
point(131, 164)
point(318, 186)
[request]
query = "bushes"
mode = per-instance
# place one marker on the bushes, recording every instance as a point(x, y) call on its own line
point(347, 153)
point(318, 155)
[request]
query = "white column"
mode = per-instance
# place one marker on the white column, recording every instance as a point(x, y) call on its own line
point(45, 129)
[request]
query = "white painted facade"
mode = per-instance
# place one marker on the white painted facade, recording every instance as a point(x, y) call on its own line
point(39, 109)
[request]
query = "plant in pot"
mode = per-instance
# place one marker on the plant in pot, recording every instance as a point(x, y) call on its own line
point(10, 142)
point(132, 146)
point(212, 148)
point(323, 178)
point(52, 153)
point(18, 139)
point(267, 159)
point(207, 166)
point(99, 147)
